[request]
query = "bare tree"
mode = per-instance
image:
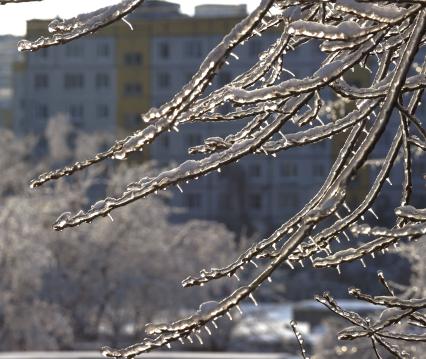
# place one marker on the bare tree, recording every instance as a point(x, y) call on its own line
point(388, 36)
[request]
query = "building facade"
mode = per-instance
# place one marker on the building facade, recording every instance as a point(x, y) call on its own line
point(104, 82)
point(8, 55)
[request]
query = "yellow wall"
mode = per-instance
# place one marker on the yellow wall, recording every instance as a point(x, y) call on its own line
point(5, 118)
point(139, 40)
point(362, 183)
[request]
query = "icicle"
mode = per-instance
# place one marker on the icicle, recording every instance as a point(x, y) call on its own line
point(181, 341)
point(282, 135)
point(234, 56)
point(374, 214)
point(389, 181)
point(229, 315)
point(346, 235)
point(254, 263)
point(363, 263)
point(207, 329)
point(169, 346)
point(180, 188)
point(236, 276)
point(254, 300)
point(346, 207)
point(214, 324)
point(190, 339)
point(199, 339)
point(110, 217)
point(287, 70)
point(239, 309)
point(301, 263)
point(289, 264)
point(269, 279)
point(127, 22)
point(338, 270)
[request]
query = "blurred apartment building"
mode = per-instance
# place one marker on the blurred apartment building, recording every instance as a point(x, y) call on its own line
point(104, 81)
point(8, 55)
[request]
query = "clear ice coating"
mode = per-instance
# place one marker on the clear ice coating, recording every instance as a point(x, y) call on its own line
point(66, 30)
point(385, 39)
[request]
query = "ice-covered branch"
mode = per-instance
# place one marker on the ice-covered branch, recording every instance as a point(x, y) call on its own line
point(64, 31)
point(275, 110)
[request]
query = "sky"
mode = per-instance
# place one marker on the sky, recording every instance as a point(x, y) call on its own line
point(13, 16)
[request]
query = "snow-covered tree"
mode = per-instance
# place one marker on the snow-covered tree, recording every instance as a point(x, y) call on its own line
point(386, 36)
point(104, 279)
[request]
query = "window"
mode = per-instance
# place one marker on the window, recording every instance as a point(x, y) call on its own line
point(41, 81)
point(163, 79)
point(74, 50)
point(289, 200)
point(163, 50)
point(225, 202)
point(193, 200)
point(419, 168)
point(41, 111)
point(43, 53)
point(77, 113)
point(133, 59)
point(193, 139)
point(289, 169)
point(355, 82)
point(254, 47)
point(226, 108)
point(132, 89)
point(74, 81)
point(255, 170)
point(193, 49)
point(224, 78)
point(165, 141)
point(322, 144)
point(102, 81)
point(132, 120)
point(103, 50)
point(255, 201)
point(318, 170)
point(102, 111)
point(188, 76)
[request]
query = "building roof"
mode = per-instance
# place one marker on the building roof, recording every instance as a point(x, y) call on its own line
point(157, 9)
point(221, 10)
